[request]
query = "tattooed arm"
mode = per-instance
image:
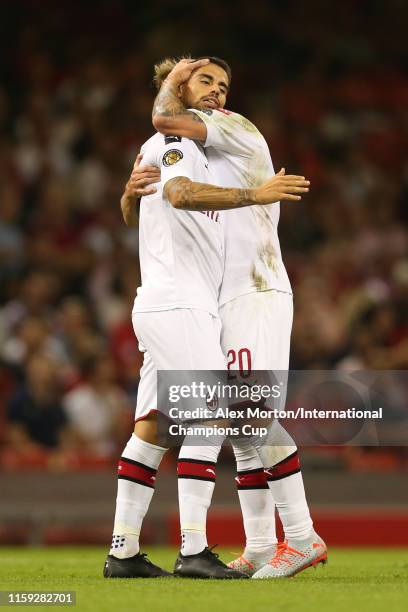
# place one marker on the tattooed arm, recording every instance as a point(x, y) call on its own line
point(169, 113)
point(188, 195)
point(171, 117)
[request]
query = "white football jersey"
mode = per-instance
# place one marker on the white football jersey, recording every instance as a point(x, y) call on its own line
point(181, 252)
point(238, 156)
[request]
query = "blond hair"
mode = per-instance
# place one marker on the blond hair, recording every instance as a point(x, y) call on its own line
point(163, 69)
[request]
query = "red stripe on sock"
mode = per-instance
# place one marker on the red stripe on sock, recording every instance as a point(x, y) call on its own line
point(256, 479)
point(193, 469)
point(138, 472)
point(287, 467)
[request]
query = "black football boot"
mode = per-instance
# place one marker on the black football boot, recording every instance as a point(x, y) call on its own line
point(205, 564)
point(138, 566)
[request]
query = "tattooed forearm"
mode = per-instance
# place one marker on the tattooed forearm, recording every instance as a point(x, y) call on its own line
point(168, 104)
point(187, 195)
point(171, 117)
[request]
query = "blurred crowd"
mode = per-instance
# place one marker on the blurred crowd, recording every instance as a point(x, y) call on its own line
point(330, 95)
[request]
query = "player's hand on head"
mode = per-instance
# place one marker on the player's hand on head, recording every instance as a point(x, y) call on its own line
point(282, 187)
point(140, 179)
point(184, 68)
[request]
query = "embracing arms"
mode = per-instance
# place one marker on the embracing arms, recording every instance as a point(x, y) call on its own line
point(188, 195)
point(184, 194)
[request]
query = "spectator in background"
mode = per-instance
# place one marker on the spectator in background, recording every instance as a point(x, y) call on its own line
point(33, 335)
point(99, 410)
point(37, 420)
point(77, 332)
point(35, 294)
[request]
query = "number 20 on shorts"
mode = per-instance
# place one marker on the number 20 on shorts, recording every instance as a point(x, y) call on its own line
point(239, 360)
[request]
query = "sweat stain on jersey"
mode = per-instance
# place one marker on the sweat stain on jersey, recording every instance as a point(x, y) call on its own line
point(267, 255)
point(259, 282)
point(267, 260)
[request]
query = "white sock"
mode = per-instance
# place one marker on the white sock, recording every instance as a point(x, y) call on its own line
point(280, 458)
point(257, 505)
point(286, 483)
point(196, 481)
point(136, 479)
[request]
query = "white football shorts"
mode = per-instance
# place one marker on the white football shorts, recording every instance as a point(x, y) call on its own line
point(178, 339)
point(256, 329)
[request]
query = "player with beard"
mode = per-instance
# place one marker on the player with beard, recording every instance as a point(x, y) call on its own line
point(175, 317)
point(255, 307)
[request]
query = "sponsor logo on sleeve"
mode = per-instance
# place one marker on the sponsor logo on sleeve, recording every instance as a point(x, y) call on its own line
point(172, 157)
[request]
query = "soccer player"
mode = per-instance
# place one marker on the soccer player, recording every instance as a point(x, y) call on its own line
point(175, 318)
point(255, 308)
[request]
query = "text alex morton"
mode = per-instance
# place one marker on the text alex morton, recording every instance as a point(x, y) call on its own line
point(273, 413)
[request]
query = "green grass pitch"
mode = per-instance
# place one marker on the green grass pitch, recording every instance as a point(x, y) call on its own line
point(354, 580)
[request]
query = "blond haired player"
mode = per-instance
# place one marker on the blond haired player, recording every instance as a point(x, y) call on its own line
point(176, 320)
point(256, 311)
